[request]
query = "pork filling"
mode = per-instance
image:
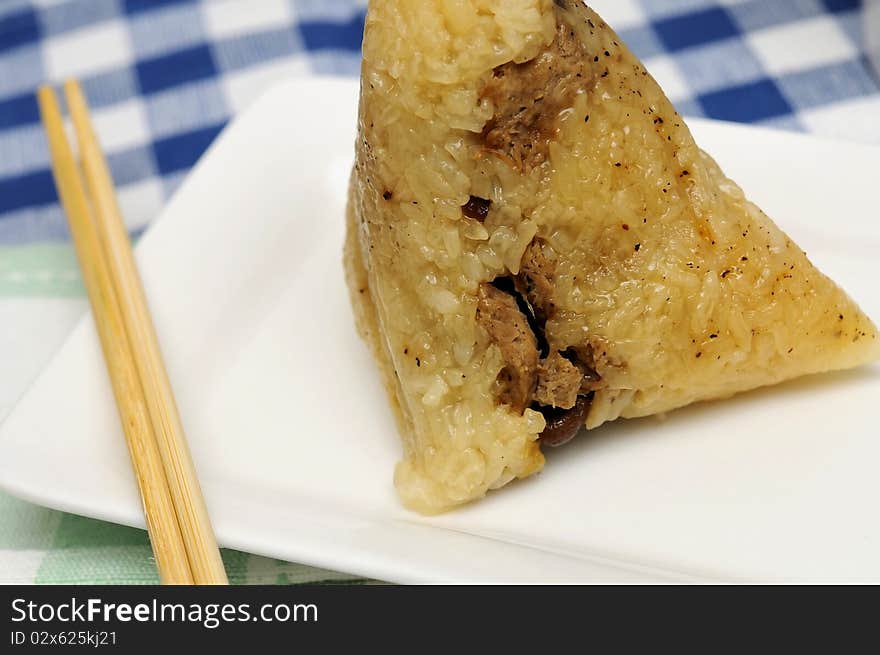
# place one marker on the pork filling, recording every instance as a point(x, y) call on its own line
point(528, 98)
point(559, 384)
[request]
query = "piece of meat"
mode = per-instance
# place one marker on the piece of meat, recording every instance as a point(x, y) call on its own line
point(560, 385)
point(559, 382)
point(535, 280)
point(529, 98)
point(564, 424)
point(583, 357)
point(507, 327)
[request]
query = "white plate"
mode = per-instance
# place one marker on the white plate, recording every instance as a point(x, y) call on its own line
point(295, 444)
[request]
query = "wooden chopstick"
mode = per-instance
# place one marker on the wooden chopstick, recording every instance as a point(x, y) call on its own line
point(180, 530)
point(158, 505)
point(192, 513)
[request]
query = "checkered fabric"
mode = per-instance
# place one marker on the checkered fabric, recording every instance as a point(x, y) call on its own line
point(164, 76)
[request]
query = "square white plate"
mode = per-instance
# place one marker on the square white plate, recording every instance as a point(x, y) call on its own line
point(295, 445)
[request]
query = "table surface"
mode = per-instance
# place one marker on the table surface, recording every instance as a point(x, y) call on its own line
point(164, 76)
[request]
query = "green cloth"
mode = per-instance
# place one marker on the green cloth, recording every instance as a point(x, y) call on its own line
point(42, 546)
point(39, 270)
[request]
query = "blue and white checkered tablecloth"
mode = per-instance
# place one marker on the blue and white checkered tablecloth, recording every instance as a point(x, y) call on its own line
point(164, 76)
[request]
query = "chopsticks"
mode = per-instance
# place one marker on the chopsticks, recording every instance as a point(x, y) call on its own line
point(177, 519)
